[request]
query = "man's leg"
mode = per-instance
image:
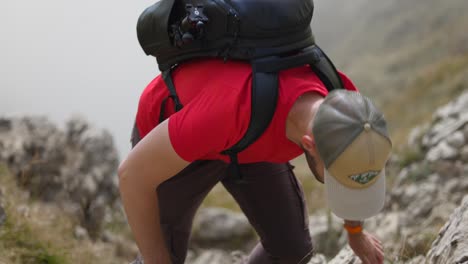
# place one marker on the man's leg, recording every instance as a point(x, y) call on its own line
point(272, 199)
point(179, 198)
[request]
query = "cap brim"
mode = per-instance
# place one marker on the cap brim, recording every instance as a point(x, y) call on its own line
point(355, 204)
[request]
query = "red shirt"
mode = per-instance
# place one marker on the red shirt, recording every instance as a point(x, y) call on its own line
point(216, 113)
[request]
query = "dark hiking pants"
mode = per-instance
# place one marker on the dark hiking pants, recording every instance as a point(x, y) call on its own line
point(270, 197)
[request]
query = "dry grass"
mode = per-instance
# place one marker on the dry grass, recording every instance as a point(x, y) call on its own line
point(43, 233)
point(409, 56)
point(434, 86)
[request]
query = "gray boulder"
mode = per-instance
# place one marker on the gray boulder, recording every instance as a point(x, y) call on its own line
point(442, 151)
point(451, 246)
point(346, 256)
point(213, 257)
point(221, 228)
point(74, 167)
point(216, 256)
point(417, 260)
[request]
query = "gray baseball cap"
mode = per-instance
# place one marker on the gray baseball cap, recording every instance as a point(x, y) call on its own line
point(352, 139)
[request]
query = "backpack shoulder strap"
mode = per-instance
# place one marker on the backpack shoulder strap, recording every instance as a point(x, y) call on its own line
point(326, 70)
point(313, 56)
point(265, 92)
point(263, 104)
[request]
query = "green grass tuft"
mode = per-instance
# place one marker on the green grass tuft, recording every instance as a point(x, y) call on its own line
point(17, 238)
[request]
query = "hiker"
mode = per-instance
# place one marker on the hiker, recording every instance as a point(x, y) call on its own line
point(235, 109)
point(177, 162)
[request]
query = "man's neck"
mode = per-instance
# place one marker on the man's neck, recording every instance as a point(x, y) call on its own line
point(301, 116)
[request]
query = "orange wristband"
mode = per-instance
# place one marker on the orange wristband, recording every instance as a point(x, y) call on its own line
point(352, 230)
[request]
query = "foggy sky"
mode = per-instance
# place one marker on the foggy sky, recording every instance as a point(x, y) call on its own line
point(62, 57)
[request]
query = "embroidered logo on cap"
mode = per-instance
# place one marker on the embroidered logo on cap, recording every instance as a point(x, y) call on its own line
point(364, 178)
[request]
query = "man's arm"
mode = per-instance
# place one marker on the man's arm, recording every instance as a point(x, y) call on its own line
point(366, 246)
point(151, 162)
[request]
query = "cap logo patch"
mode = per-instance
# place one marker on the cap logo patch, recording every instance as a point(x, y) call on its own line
point(364, 178)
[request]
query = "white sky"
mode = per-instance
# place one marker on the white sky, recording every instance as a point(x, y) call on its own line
point(60, 57)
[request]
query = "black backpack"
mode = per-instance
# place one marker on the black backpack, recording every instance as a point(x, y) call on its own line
point(272, 35)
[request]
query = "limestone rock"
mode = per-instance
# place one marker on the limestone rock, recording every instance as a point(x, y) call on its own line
point(456, 140)
point(237, 257)
point(417, 260)
point(414, 138)
point(125, 248)
point(442, 151)
point(318, 259)
point(447, 120)
point(346, 256)
point(452, 244)
point(80, 233)
point(213, 257)
point(75, 167)
point(221, 228)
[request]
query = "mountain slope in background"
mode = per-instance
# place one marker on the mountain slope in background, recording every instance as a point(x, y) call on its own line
point(409, 56)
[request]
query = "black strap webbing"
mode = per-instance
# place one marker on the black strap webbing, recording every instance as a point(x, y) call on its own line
point(265, 92)
point(167, 77)
point(264, 97)
point(326, 71)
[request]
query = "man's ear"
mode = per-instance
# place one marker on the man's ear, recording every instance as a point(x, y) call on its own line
point(308, 143)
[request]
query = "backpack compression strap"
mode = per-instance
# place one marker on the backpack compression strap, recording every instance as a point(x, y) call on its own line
point(167, 77)
point(265, 93)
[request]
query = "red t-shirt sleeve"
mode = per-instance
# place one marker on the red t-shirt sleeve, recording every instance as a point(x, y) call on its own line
point(211, 122)
point(147, 116)
point(192, 137)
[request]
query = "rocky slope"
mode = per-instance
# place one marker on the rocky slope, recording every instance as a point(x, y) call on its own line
point(74, 167)
point(59, 194)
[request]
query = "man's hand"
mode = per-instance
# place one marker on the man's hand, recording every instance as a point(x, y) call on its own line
point(367, 247)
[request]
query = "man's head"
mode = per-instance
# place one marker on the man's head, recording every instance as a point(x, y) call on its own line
point(348, 149)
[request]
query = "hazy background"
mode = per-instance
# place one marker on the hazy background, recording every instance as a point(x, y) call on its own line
point(61, 57)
